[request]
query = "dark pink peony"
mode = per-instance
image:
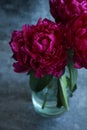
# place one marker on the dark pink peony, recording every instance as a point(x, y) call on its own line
point(77, 39)
point(65, 10)
point(39, 48)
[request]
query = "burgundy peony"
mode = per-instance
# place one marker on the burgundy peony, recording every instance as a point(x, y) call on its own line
point(39, 48)
point(77, 39)
point(65, 10)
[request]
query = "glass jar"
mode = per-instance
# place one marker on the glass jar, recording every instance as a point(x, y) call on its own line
point(45, 101)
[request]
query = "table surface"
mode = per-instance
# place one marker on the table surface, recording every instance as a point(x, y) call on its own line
point(16, 111)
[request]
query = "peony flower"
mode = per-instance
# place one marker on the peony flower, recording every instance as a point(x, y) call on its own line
point(39, 48)
point(19, 42)
point(77, 39)
point(65, 10)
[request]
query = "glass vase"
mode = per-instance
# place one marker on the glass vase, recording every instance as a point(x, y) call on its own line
point(45, 101)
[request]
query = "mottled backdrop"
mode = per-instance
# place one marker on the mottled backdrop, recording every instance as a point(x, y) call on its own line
point(16, 112)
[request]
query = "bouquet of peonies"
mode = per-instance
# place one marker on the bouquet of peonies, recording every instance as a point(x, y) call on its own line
point(50, 49)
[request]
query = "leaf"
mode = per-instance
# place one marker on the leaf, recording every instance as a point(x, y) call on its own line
point(74, 88)
point(37, 84)
point(59, 101)
point(62, 92)
point(68, 85)
point(68, 81)
point(73, 76)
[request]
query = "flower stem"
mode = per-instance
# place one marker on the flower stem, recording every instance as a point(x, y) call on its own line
point(45, 99)
point(46, 95)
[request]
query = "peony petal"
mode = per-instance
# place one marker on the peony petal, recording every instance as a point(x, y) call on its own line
point(14, 46)
point(19, 68)
point(76, 65)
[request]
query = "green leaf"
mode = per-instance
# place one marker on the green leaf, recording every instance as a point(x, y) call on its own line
point(62, 92)
point(68, 85)
point(37, 84)
point(74, 88)
point(68, 80)
point(73, 76)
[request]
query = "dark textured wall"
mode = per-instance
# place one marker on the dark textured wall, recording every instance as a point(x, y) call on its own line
point(16, 112)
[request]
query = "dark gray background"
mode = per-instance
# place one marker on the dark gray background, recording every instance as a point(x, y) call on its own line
point(16, 112)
